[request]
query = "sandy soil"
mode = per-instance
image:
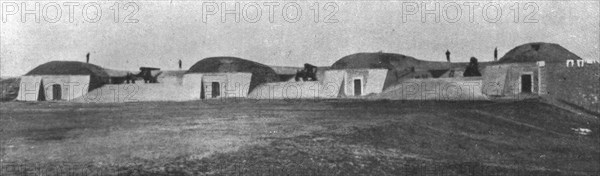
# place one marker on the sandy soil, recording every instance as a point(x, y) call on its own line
point(296, 137)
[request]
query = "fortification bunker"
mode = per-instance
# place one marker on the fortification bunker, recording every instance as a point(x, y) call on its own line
point(226, 77)
point(522, 69)
point(514, 78)
point(334, 84)
point(61, 80)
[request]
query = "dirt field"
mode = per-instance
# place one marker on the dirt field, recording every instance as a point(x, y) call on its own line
point(297, 138)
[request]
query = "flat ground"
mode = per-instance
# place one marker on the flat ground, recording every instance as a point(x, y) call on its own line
point(297, 138)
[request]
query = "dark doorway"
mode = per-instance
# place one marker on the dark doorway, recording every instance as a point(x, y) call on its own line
point(202, 92)
point(526, 83)
point(216, 89)
point(56, 92)
point(42, 92)
point(357, 87)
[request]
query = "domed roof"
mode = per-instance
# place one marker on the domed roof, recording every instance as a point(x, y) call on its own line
point(98, 76)
point(538, 51)
point(391, 61)
point(68, 68)
point(260, 73)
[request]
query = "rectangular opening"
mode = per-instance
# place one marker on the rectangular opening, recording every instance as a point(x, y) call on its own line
point(216, 89)
point(41, 92)
point(56, 92)
point(526, 82)
point(202, 91)
point(357, 87)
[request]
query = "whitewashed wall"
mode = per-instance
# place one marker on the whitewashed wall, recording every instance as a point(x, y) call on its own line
point(232, 85)
point(505, 79)
point(72, 86)
point(287, 90)
point(375, 81)
point(29, 88)
point(332, 83)
point(466, 88)
point(238, 85)
point(372, 81)
point(193, 83)
point(494, 78)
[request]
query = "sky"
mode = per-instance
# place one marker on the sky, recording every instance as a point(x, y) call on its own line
point(283, 33)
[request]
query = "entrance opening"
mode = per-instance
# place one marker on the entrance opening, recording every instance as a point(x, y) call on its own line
point(216, 89)
point(42, 92)
point(526, 83)
point(56, 92)
point(202, 92)
point(357, 87)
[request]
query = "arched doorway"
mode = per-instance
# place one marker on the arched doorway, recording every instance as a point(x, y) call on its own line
point(56, 92)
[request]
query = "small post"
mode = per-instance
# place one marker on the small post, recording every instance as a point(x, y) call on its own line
point(496, 54)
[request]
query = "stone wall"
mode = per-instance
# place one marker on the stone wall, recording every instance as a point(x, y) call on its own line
point(231, 85)
point(71, 87)
point(334, 84)
point(574, 85)
point(372, 81)
point(505, 79)
point(294, 90)
point(466, 88)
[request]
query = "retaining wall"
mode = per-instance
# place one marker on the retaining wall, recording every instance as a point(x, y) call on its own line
point(295, 90)
point(468, 88)
point(72, 86)
point(575, 85)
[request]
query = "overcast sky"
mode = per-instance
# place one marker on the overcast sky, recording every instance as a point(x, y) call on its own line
point(168, 31)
